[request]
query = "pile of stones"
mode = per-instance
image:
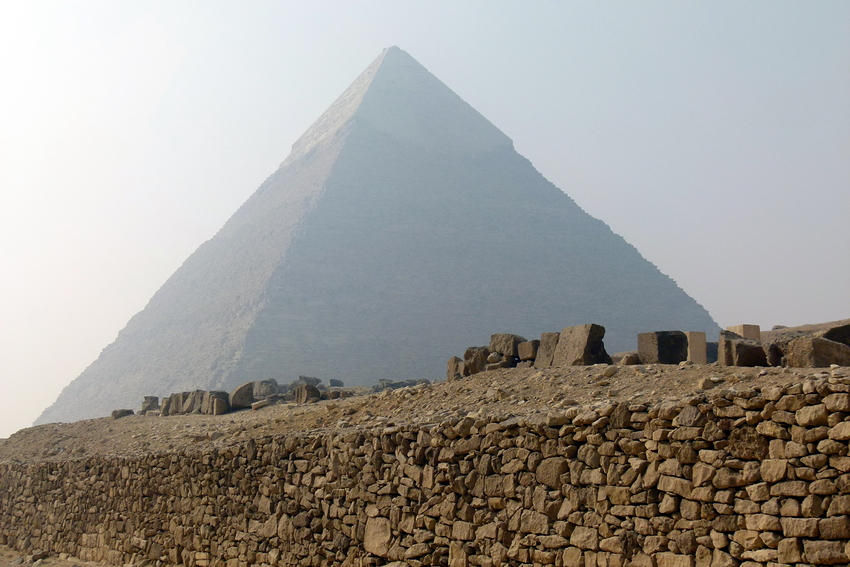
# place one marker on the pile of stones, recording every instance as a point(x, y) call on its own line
point(253, 395)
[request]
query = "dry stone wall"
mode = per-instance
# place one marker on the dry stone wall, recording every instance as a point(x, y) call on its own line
point(756, 478)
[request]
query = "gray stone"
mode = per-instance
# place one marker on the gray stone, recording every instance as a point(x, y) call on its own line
point(305, 393)
point(546, 350)
point(150, 403)
point(475, 360)
point(454, 368)
point(119, 413)
point(505, 344)
point(581, 345)
point(242, 397)
point(334, 383)
point(265, 388)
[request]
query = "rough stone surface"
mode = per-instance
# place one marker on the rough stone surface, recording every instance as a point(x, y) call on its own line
point(581, 345)
point(664, 347)
point(816, 352)
point(546, 350)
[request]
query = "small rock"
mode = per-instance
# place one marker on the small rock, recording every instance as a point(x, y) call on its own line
point(119, 413)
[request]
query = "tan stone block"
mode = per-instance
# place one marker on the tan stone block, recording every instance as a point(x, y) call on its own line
point(797, 488)
point(812, 416)
point(585, 538)
point(790, 550)
point(675, 485)
point(824, 552)
point(774, 470)
point(378, 536)
point(841, 432)
point(840, 505)
point(837, 402)
point(799, 527)
point(762, 523)
point(837, 527)
point(667, 559)
point(747, 331)
point(696, 347)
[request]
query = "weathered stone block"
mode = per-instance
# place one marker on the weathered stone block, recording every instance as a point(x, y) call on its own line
point(243, 396)
point(816, 352)
point(475, 360)
point(528, 350)
point(377, 536)
point(747, 331)
point(663, 347)
point(824, 552)
point(581, 345)
point(697, 347)
point(505, 344)
point(454, 368)
point(546, 350)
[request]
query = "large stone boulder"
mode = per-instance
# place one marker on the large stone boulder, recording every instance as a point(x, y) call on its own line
point(735, 350)
point(242, 397)
point(475, 360)
point(663, 347)
point(581, 345)
point(150, 403)
point(505, 344)
point(309, 380)
point(265, 388)
point(546, 350)
point(528, 350)
point(216, 403)
point(305, 393)
point(816, 352)
point(454, 369)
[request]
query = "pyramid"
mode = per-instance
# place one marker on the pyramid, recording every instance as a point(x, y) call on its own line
point(402, 228)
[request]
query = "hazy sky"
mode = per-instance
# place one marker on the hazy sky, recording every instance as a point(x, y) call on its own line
point(714, 136)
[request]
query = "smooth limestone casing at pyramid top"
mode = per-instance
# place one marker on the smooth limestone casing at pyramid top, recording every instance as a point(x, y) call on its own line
point(402, 228)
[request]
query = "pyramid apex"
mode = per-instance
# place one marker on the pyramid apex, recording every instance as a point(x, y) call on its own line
point(396, 95)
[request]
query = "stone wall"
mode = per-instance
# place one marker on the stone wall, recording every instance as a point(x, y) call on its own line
point(756, 478)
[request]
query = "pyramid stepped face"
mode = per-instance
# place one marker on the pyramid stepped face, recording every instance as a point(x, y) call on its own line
point(402, 228)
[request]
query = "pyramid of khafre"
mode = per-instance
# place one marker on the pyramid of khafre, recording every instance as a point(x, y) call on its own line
point(402, 228)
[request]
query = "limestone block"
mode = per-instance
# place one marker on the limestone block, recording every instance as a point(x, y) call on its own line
point(812, 416)
point(747, 331)
point(475, 360)
point(734, 350)
point(581, 345)
point(505, 344)
point(454, 368)
point(837, 402)
point(243, 396)
point(800, 527)
point(663, 347)
point(824, 552)
point(377, 536)
point(836, 527)
point(549, 472)
point(816, 352)
point(585, 538)
point(528, 350)
point(546, 350)
point(697, 347)
point(306, 392)
point(150, 403)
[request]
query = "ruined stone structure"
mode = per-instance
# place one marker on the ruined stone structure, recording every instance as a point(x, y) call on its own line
point(402, 224)
point(755, 478)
